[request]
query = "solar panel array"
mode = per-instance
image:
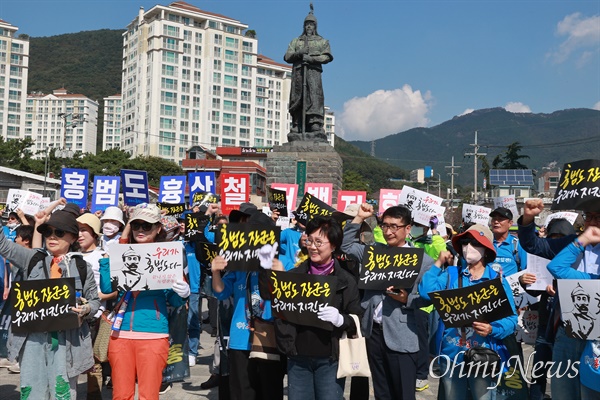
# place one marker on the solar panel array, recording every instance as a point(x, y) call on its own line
point(511, 177)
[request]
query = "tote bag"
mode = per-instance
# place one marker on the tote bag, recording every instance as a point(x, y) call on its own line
point(353, 359)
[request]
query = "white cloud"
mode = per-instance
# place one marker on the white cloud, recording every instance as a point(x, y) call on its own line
point(517, 107)
point(596, 106)
point(582, 38)
point(467, 111)
point(384, 112)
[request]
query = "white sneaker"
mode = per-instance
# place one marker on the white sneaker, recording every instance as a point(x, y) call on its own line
point(14, 369)
point(192, 360)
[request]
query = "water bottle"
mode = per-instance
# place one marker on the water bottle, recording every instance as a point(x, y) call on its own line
point(119, 318)
point(78, 301)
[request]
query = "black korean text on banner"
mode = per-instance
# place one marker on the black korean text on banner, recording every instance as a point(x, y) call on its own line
point(485, 302)
point(278, 201)
point(194, 226)
point(239, 244)
point(43, 305)
point(172, 209)
point(298, 297)
point(390, 266)
point(579, 187)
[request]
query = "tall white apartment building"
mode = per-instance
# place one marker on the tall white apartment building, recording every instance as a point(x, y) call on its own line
point(14, 69)
point(111, 130)
point(330, 125)
point(191, 77)
point(64, 121)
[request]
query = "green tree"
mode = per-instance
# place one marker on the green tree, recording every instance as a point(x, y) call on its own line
point(354, 181)
point(16, 154)
point(512, 157)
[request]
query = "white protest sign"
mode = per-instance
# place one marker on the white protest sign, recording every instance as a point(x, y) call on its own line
point(283, 222)
point(475, 214)
point(146, 266)
point(423, 206)
point(569, 216)
point(13, 199)
point(508, 202)
point(539, 267)
point(580, 306)
point(30, 203)
point(527, 326)
point(522, 298)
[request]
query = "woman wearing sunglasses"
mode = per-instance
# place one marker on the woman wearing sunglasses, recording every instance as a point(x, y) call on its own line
point(476, 251)
point(139, 350)
point(52, 361)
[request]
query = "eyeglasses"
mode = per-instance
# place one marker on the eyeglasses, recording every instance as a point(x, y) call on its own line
point(394, 228)
point(317, 243)
point(588, 217)
point(59, 233)
point(145, 226)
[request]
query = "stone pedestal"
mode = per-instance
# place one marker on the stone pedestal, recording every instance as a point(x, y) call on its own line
point(323, 164)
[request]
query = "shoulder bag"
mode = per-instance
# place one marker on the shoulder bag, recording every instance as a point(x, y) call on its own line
point(353, 360)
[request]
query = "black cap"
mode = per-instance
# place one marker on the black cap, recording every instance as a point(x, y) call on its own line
point(503, 212)
point(246, 209)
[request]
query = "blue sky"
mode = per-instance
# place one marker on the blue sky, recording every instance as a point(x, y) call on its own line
point(399, 64)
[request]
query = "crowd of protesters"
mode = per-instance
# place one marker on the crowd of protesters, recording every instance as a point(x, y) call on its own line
point(405, 340)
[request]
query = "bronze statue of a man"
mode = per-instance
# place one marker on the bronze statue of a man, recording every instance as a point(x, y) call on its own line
point(308, 53)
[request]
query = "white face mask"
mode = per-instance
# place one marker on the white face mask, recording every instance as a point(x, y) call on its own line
point(12, 226)
point(472, 254)
point(417, 231)
point(110, 229)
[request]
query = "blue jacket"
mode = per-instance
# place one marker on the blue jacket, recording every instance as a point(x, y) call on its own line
point(436, 279)
point(194, 271)
point(289, 247)
point(506, 257)
point(235, 284)
point(146, 309)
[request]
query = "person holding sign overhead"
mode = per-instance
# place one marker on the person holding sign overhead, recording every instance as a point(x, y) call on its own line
point(139, 346)
point(389, 323)
point(476, 252)
point(313, 352)
point(52, 361)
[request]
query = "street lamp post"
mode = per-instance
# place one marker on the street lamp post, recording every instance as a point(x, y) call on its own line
point(439, 185)
point(75, 120)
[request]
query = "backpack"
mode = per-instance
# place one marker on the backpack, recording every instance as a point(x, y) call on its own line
point(41, 256)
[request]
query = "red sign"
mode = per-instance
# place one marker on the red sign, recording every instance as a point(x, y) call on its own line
point(347, 197)
point(291, 193)
point(322, 191)
point(388, 198)
point(235, 190)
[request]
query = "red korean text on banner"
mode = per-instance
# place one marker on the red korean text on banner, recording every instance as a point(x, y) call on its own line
point(388, 198)
point(347, 197)
point(322, 191)
point(235, 190)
